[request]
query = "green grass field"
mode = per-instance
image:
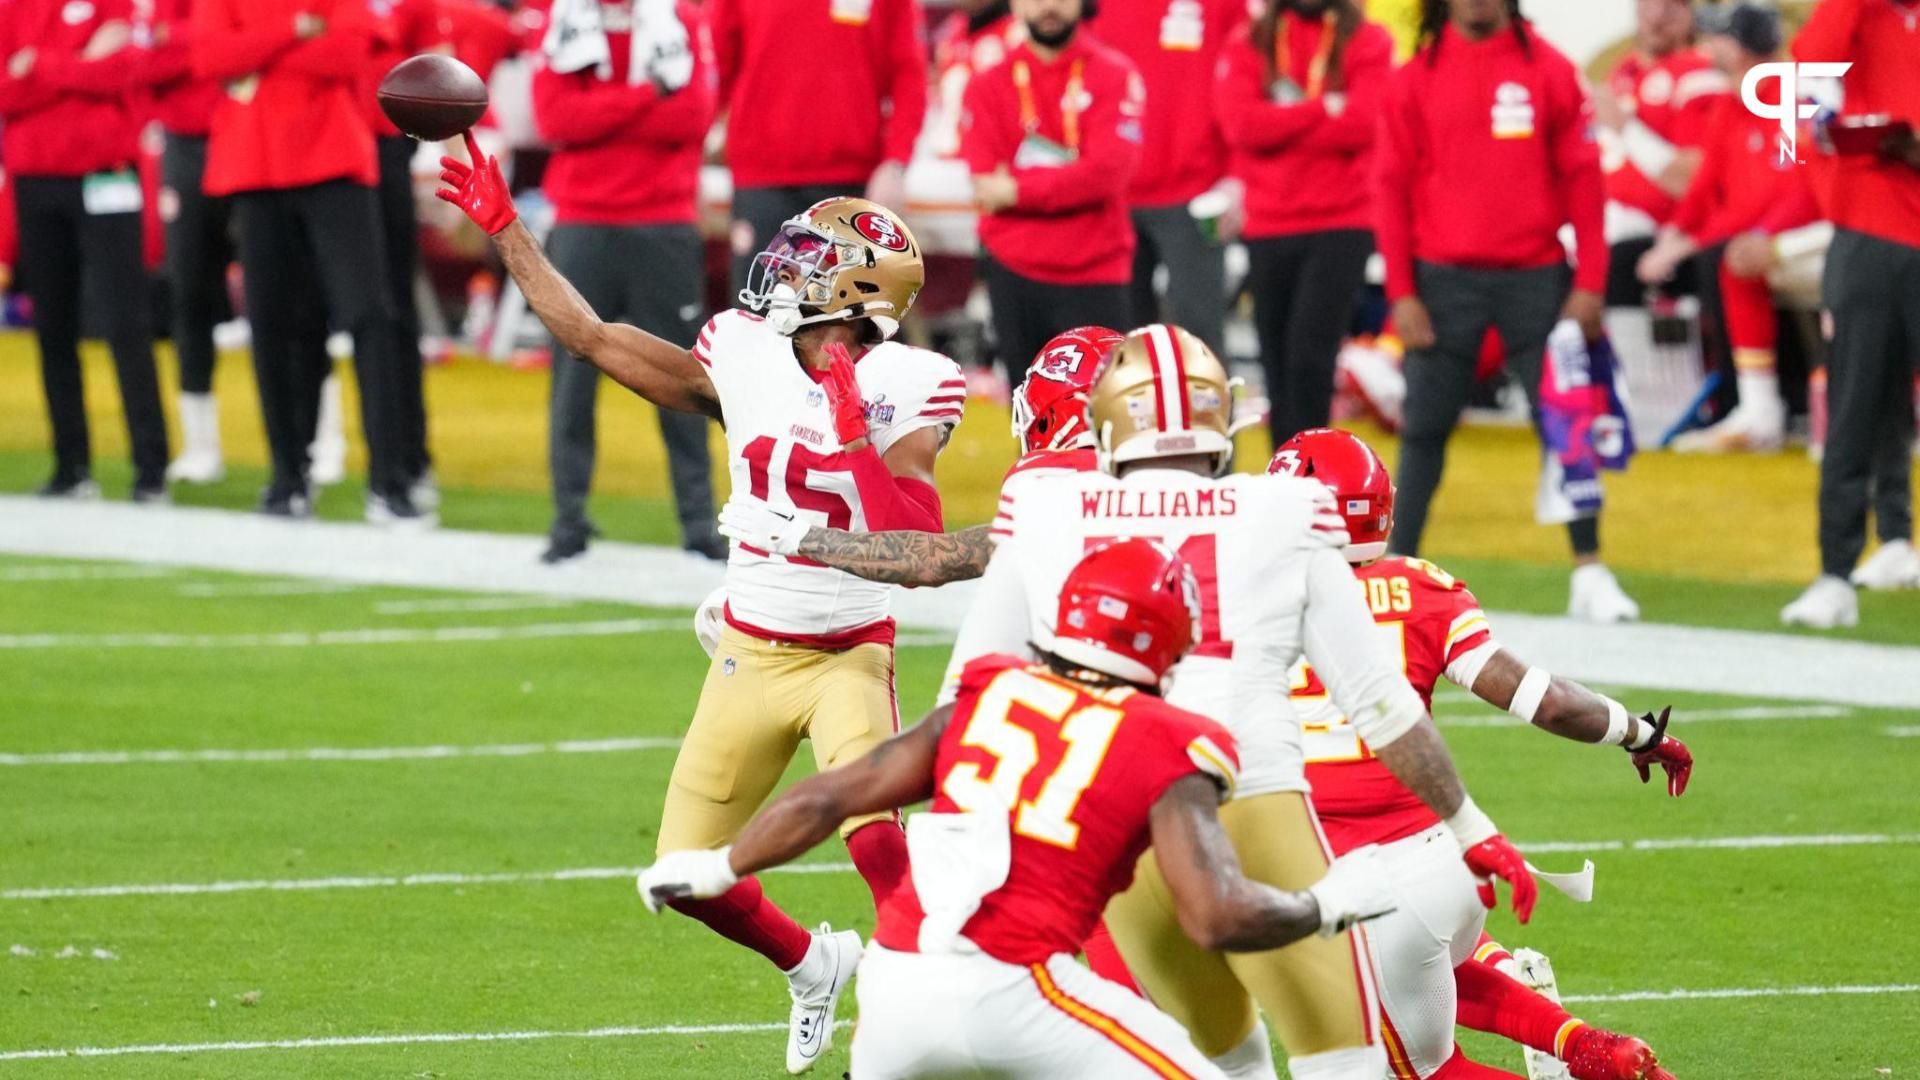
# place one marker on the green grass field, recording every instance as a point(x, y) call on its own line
point(530, 956)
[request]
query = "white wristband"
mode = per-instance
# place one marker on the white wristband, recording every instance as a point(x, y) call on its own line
point(1617, 724)
point(1527, 696)
point(1470, 826)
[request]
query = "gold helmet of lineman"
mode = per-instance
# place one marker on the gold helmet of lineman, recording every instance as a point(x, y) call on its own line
point(839, 259)
point(1161, 393)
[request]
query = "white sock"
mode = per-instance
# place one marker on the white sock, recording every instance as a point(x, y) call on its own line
point(1352, 1063)
point(1252, 1059)
point(812, 967)
point(1759, 390)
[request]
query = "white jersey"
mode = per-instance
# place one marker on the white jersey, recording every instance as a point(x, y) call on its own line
point(781, 447)
point(1273, 587)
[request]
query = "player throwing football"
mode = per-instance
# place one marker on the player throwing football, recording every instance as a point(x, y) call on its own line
point(830, 420)
point(1048, 779)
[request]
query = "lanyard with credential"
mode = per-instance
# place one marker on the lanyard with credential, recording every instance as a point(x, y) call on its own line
point(1322, 54)
point(1070, 104)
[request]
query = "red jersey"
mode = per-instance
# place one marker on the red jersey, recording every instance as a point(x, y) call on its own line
point(1304, 171)
point(1486, 149)
point(1174, 43)
point(1673, 96)
point(67, 116)
point(1432, 621)
point(1038, 463)
point(1075, 772)
point(1742, 184)
point(1069, 131)
point(1871, 193)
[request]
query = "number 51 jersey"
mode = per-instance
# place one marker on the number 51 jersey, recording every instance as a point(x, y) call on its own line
point(781, 447)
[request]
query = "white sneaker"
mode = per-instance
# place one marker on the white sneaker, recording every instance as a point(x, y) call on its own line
point(328, 454)
point(199, 461)
point(1595, 596)
point(1747, 429)
point(1896, 565)
point(425, 491)
point(1827, 603)
point(1536, 972)
point(816, 985)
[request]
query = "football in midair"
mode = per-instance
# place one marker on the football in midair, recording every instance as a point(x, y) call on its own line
point(433, 97)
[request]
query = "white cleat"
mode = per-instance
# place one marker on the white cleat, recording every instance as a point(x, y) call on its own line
point(816, 985)
point(1745, 430)
point(1595, 596)
point(1896, 565)
point(1828, 603)
point(1536, 972)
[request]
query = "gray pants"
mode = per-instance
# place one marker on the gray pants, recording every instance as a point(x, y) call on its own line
point(649, 276)
point(1524, 305)
point(1872, 286)
point(762, 210)
point(1196, 273)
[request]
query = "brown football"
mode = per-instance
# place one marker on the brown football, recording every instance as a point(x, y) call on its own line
point(433, 97)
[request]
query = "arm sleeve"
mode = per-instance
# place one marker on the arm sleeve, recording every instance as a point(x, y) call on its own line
point(1109, 150)
point(1796, 208)
point(906, 51)
point(344, 53)
point(987, 135)
point(1576, 156)
point(1369, 65)
point(17, 95)
point(1249, 121)
point(579, 109)
point(723, 20)
point(224, 50)
point(1829, 32)
point(893, 502)
point(997, 622)
point(1347, 653)
point(1696, 204)
point(1393, 160)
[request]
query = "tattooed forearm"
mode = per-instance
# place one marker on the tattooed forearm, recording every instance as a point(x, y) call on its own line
point(913, 559)
point(1419, 759)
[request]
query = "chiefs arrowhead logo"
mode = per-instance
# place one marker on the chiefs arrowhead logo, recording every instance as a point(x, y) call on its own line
point(879, 229)
point(1062, 363)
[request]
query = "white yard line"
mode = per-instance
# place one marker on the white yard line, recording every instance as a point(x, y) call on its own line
point(337, 753)
point(478, 603)
point(444, 1038)
point(435, 635)
point(207, 590)
point(1905, 731)
point(84, 573)
point(1751, 712)
point(1724, 843)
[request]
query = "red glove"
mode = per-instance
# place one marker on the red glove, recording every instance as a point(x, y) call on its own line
point(1496, 857)
point(843, 396)
point(478, 189)
point(1665, 751)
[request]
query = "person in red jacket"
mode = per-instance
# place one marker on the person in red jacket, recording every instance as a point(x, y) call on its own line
point(1872, 287)
point(1298, 96)
point(626, 138)
point(1181, 156)
point(1741, 197)
point(824, 98)
point(1052, 137)
point(1486, 149)
point(291, 142)
point(69, 143)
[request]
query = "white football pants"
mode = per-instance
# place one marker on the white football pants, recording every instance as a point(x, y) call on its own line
point(1417, 946)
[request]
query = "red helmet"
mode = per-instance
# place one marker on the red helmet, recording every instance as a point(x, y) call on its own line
point(1050, 407)
point(1362, 491)
point(1129, 609)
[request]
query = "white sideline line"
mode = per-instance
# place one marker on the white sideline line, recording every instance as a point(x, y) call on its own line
point(442, 1038)
point(206, 590)
point(1905, 731)
point(85, 573)
point(478, 603)
point(338, 753)
point(375, 636)
point(1750, 712)
point(597, 873)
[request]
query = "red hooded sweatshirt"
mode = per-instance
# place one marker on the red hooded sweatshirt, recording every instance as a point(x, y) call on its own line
point(1867, 193)
point(1174, 46)
point(182, 103)
point(411, 27)
point(67, 116)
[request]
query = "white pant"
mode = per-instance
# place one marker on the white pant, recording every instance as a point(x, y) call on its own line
point(945, 1015)
point(1417, 946)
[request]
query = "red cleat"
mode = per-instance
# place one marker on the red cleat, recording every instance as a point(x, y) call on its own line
point(1605, 1055)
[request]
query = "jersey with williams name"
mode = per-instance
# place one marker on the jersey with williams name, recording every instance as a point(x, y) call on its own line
point(781, 447)
point(1029, 468)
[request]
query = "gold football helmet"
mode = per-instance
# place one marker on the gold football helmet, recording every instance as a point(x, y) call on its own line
point(1161, 393)
point(838, 259)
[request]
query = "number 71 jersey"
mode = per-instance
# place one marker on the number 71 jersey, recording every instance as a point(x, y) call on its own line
point(781, 447)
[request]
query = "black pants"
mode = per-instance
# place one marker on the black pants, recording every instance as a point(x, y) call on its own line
point(1196, 274)
point(326, 239)
point(401, 224)
point(61, 246)
point(649, 276)
point(1524, 305)
point(1304, 290)
point(1026, 313)
point(1872, 286)
point(199, 247)
point(761, 210)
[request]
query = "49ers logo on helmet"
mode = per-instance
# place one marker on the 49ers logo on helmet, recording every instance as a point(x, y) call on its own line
point(880, 229)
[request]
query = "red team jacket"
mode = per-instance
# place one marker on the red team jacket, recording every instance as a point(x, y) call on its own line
point(182, 102)
point(804, 80)
point(1742, 184)
point(626, 155)
point(1304, 172)
point(1174, 47)
point(68, 117)
point(1358, 800)
point(1064, 868)
point(408, 27)
point(1071, 226)
point(1868, 193)
point(1485, 151)
point(1673, 96)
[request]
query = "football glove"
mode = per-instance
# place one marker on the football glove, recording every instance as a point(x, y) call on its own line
point(1665, 751)
point(754, 524)
point(1355, 889)
point(685, 875)
point(710, 619)
point(1496, 857)
point(478, 189)
point(843, 396)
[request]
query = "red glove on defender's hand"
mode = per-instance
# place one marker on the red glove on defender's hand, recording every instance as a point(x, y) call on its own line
point(1496, 857)
point(843, 396)
point(1665, 751)
point(478, 189)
